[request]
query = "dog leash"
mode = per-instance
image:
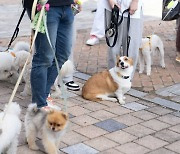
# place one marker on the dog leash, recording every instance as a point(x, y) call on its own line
point(16, 31)
point(113, 28)
point(64, 95)
point(27, 60)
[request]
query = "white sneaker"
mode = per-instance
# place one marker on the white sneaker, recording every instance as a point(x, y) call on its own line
point(92, 41)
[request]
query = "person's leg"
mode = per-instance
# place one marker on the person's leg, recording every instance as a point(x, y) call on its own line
point(98, 24)
point(98, 28)
point(63, 44)
point(42, 59)
point(116, 50)
point(135, 32)
point(68, 79)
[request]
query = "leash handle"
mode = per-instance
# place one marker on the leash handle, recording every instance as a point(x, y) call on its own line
point(113, 28)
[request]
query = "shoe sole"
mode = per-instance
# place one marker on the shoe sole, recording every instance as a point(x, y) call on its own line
point(73, 89)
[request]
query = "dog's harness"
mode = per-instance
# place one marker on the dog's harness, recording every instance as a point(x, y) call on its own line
point(147, 43)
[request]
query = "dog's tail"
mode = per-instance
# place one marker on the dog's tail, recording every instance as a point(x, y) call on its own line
point(21, 45)
point(32, 108)
point(67, 68)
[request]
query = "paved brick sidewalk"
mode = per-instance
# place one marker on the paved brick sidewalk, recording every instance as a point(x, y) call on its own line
point(140, 126)
point(148, 122)
point(94, 59)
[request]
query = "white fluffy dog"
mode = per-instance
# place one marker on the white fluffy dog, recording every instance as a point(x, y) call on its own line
point(10, 128)
point(147, 49)
point(7, 67)
point(21, 54)
point(12, 60)
point(67, 68)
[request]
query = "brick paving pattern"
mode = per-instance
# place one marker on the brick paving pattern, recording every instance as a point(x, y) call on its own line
point(149, 122)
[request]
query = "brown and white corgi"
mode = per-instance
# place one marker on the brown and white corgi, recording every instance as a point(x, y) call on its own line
point(109, 83)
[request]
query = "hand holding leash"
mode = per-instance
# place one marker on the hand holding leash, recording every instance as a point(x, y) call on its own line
point(133, 7)
point(112, 3)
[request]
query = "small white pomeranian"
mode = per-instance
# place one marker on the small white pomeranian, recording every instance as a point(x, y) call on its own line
point(10, 127)
point(52, 126)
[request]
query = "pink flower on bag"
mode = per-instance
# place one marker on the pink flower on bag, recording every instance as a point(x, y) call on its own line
point(39, 7)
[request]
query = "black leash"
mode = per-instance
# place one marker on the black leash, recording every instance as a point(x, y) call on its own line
point(113, 28)
point(16, 31)
point(112, 31)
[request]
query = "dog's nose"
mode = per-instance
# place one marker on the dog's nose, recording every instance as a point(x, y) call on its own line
point(122, 63)
point(53, 128)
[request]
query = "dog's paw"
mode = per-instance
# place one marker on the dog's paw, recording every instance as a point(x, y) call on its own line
point(34, 147)
point(113, 100)
point(140, 72)
point(163, 65)
point(148, 73)
point(122, 102)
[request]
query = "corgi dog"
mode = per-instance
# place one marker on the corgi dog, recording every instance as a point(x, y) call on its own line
point(109, 83)
point(147, 49)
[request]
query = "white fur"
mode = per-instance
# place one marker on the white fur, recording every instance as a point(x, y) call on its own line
point(35, 122)
point(21, 45)
point(10, 127)
point(10, 65)
point(7, 67)
point(15, 64)
point(124, 85)
point(67, 68)
point(145, 56)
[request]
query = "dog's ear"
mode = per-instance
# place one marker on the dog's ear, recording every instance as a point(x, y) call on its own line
point(117, 57)
point(130, 61)
point(117, 60)
point(65, 115)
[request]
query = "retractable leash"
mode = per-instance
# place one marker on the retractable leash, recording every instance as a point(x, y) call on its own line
point(113, 28)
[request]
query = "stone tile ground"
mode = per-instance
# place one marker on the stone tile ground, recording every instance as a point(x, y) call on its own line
point(98, 127)
point(148, 123)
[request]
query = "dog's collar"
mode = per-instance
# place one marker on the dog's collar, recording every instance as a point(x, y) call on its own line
point(122, 76)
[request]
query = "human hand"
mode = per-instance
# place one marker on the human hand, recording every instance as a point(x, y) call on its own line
point(133, 7)
point(112, 3)
point(79, 3)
